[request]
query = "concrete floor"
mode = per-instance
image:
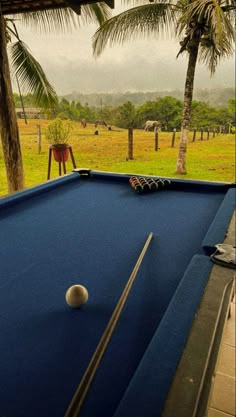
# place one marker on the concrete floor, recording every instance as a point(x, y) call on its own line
point(222, 400)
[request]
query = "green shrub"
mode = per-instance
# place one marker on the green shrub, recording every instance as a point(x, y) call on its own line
point(58, 132)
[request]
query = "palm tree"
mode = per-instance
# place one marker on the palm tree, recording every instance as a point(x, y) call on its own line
point(206, 30)
point(30, 75)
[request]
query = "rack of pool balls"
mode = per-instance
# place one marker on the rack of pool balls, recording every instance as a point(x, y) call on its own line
point(147, 185)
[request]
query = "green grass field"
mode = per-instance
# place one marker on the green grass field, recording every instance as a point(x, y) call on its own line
point(212, 159)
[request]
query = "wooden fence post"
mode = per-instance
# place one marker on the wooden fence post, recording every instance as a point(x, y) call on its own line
point(39, 141)
point(194, 134)
point(156, 139)
point(173, 138)
point(201, 133)
point(130, 143)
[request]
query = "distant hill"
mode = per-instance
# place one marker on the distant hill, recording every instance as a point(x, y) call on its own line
point(216, 97)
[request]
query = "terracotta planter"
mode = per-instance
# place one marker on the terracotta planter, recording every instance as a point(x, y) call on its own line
point(60, 152)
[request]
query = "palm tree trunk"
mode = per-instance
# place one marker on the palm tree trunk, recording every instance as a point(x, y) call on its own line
point(188, 96)
point(8, 122)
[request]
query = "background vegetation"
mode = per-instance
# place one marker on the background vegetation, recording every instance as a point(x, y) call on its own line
point(208, 159)
point(166, 109)
point(211, 159)
point(214, 96)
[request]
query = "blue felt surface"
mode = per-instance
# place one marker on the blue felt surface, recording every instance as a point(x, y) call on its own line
point(89, 232)
point(218, 228)
point(149, 386)
point(21, 196)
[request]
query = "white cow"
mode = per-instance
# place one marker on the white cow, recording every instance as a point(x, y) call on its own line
point(151, 125)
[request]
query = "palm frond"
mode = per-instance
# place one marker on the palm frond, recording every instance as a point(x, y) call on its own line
point(210, 54)
point(216, 26)
point(50, 21)
point(63, 20)
point(134, 3)
point(228, 5)
point(145, 20)
point(31, 76)
point(215, 19)
point(95, 13)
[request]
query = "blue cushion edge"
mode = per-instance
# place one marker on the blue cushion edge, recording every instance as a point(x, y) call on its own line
point(216, 231)
point(161, 358)
point(18, 196)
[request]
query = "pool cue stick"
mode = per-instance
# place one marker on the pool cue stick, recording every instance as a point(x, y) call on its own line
point(80, 393)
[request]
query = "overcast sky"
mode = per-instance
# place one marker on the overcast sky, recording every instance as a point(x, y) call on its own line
point(142, 65)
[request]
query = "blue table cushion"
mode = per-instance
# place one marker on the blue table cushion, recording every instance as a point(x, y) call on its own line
point(146, 393)
point(216, 231)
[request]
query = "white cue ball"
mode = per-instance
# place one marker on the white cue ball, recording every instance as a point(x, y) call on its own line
point(76, 296)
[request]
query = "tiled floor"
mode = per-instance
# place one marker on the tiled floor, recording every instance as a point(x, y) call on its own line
point(222, 402)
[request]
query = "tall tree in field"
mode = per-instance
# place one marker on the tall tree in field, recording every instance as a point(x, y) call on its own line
point(206, 30)
point(16, 57)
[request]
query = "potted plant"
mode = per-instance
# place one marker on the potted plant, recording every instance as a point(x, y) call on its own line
point(57, 134)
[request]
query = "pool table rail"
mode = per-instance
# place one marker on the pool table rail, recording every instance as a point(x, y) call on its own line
point(86, 173)
point(176, 184)
point(217, 231)
point(190, 389)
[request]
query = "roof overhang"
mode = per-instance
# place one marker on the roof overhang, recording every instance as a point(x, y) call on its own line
point(10, 7)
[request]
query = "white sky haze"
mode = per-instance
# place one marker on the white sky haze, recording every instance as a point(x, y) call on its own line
point(141, 65)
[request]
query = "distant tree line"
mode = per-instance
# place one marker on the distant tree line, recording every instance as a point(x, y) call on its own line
point(214, 96)
point(168, 110)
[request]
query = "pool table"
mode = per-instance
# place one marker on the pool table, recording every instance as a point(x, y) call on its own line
point(89, 228)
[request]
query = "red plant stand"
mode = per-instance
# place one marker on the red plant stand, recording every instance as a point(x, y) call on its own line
point(61, 160)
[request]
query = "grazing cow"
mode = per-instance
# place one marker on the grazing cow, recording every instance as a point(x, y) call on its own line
point(100, 123)
point(151, 125)
point(83, 122)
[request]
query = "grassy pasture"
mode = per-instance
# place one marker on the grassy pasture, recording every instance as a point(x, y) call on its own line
point(211, 159)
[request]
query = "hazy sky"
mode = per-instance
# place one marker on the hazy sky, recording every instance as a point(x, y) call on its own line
point(142, 65)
